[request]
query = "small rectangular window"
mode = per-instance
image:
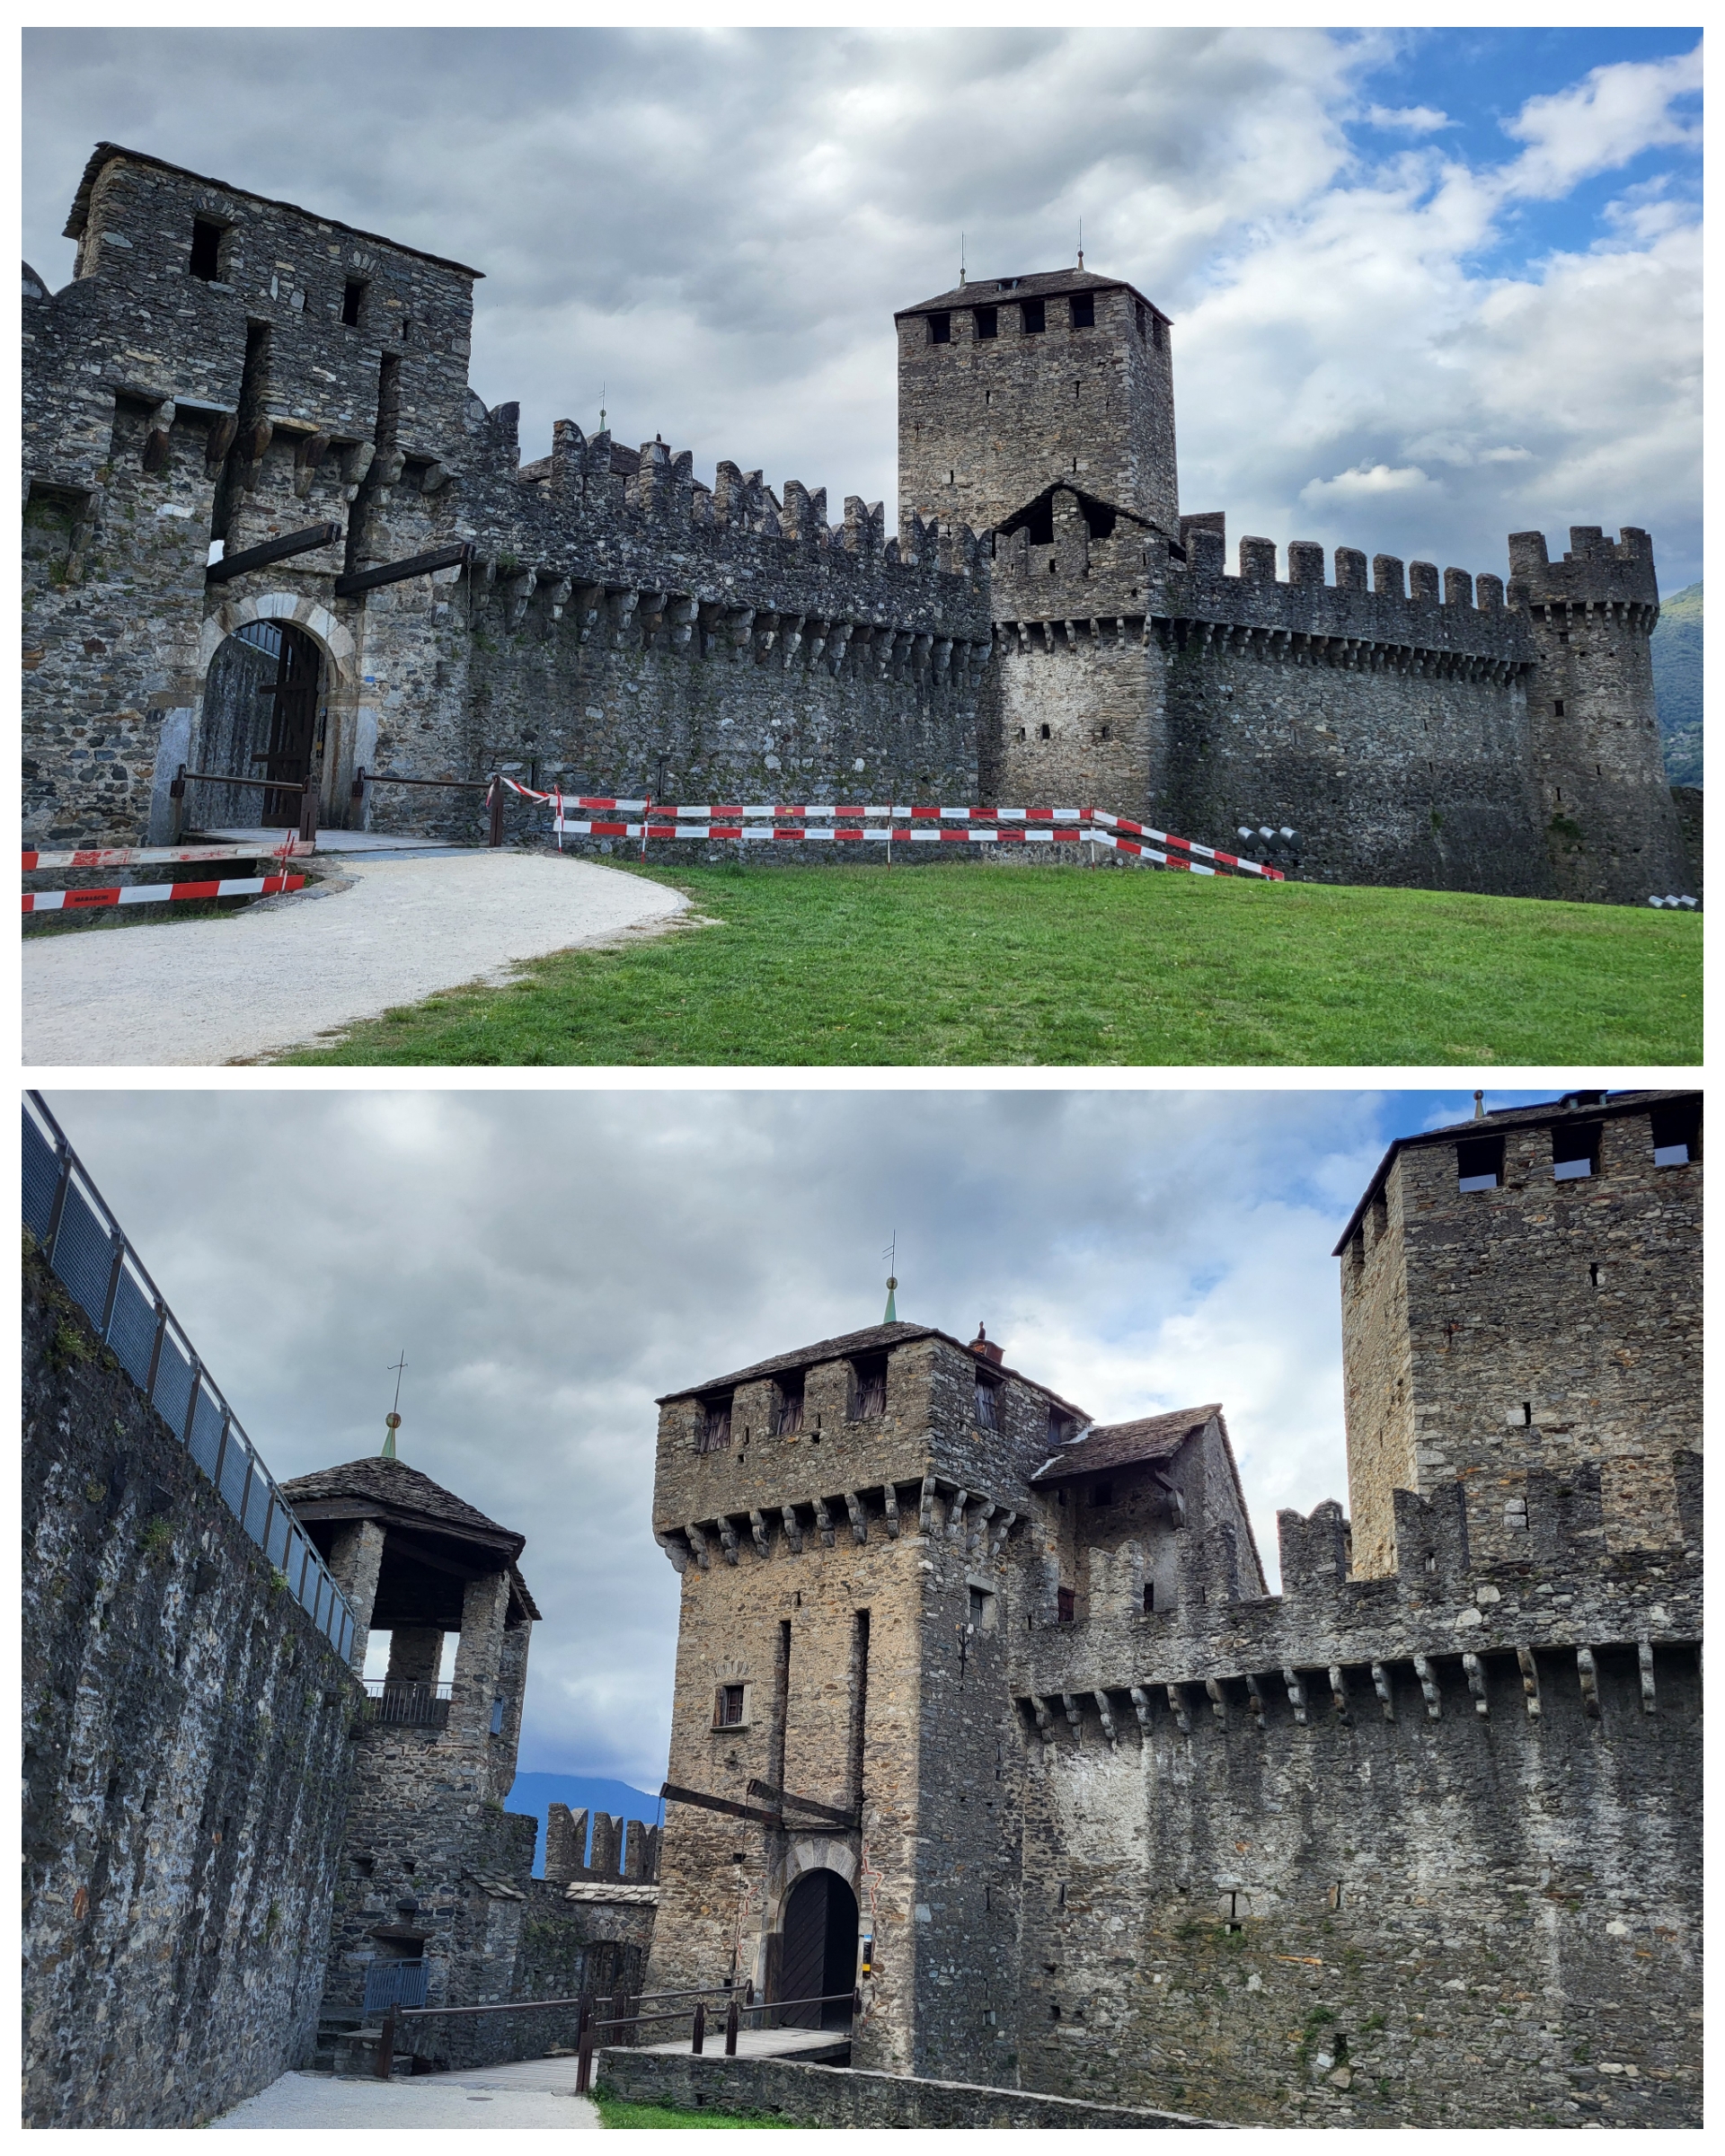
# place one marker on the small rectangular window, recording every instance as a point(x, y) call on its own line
point(1103, 1493)
point(1035, 317)
point(1676, 1135)
point(868, 1387)
point(1062, 1428)
point(207, 250)
point(1479, 1164)
point(715, 1424)
point(787, 1418)
point(940, 328)
point(1139, 303)
point(1575, 1152)
point(1149, 1597)
point(982, 1610)
point(353, 294)
point(988, 321)
point(1083, 311)
point(727, 1710)
point(987, 1405)
point(1063, 1601)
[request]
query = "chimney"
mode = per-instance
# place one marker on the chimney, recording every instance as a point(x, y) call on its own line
point(983, 1344)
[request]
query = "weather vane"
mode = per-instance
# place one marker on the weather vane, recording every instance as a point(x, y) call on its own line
point(393, 1420)
point(890, 1255)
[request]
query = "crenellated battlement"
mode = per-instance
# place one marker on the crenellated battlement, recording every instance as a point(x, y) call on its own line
point(1571, 1595)
point(1596, 574)
point(596, 513)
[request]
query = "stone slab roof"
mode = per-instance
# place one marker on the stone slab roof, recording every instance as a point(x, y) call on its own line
point(1124, 1443)
point(1581, 1108)
point(390, 1489)
point(871, 1338)
point(1043, 284)
point(105, 153)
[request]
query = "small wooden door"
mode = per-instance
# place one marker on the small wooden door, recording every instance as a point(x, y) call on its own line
point(293, 724)
point(819, 1952)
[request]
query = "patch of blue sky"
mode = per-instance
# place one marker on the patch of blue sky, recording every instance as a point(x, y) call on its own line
point(1458, 94)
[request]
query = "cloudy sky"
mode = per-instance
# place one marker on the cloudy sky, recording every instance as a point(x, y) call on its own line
point(551, 1262)
point(1430, 287)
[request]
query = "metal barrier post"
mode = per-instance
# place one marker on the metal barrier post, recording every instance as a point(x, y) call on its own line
point(495, 836)
point(584, 2062)
point(700, 2027)
point(386, 2046)
point(730, 2028)
point(308, 810)
point(359, 792)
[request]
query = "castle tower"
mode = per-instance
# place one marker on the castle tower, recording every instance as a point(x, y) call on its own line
point(1609, 821)
point(863, 1528)
point(1010, 388)
point(1520, 1295)
point(435, 1873)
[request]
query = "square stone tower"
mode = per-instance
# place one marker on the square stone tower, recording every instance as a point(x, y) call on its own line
point(840, 1517)
point(1010, 388)
point(1520, 1293)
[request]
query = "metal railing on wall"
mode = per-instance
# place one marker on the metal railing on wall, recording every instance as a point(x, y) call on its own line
point(427, 1705)
point(89, 1252)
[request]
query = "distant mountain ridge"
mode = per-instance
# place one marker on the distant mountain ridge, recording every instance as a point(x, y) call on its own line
point(536, 1793)
point(1675, 646)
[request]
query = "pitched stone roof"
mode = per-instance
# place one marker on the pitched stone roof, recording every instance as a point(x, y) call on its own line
point(1584, 1107)
point(105, 153)
point(1123, 1443)
point(1042, 284)
point(871, 1338)
point(390, 1489)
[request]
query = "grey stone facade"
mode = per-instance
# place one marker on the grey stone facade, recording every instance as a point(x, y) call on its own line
point(1415, 1841)
point(1046, 627)
point(185, 1763)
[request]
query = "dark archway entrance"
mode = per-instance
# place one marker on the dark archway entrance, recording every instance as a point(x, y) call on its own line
point(261, 707)
point(819, 1953)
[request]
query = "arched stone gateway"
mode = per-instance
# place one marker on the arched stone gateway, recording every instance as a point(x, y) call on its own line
point(263, 719)
point(819, 1953)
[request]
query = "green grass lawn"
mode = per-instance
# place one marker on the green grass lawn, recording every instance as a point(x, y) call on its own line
point(613, 2112)
point(962, 963)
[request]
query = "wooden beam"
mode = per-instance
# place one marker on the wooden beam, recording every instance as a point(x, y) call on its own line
point(393, 572)
point(803, 1803)
point(273, 550)
point(672, 1795)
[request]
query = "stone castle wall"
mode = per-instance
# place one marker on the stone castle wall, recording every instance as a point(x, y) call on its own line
point(1413, 1851)
point(186, 1761)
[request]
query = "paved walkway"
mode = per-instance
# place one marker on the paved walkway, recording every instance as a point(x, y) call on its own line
point(289, 969)
point(539, 2092)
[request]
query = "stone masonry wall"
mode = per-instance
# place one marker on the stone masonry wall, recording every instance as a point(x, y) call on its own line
point(186, 1759)
point(1416, 1851)
point(1543, 1323)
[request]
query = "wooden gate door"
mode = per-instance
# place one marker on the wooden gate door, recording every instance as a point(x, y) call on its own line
point(820, 1954)
point(293, 724)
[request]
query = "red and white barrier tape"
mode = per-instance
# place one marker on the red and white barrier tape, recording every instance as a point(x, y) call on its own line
point(147, 894)
point(834, 823)
point(131, 857)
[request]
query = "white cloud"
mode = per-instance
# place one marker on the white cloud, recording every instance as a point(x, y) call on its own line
point(715, 227)
point(551, 1262)
point(1601, 123)
point(1410, 120)
point(1364, 481)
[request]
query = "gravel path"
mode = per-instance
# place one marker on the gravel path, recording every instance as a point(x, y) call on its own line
point(540, 2092)
point(286, 969)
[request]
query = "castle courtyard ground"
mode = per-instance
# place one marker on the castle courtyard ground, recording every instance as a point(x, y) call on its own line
point(387, 929)
point(537, 2094)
